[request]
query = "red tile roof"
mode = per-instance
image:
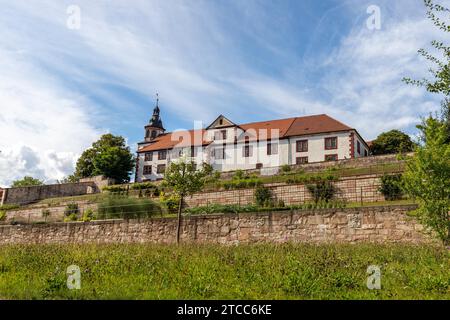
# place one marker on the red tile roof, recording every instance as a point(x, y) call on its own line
point(289, 127)
point(315, 124)
point(177, 138)
point(267, 129)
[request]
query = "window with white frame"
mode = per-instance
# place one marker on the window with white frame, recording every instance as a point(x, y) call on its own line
point(272, 148)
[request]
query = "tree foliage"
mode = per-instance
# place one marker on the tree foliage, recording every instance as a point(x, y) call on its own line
point(322, 190)
point(440, 82)
point(427, 179)
point(109, 156)
point(184, 179)
point(263, 196)
point(391, 187)
point(392, 142)
point(27, 182)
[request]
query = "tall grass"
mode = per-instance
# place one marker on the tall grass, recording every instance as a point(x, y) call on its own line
point(114, 207)
point(265, 271)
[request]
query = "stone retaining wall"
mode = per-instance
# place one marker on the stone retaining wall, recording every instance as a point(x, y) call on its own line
point(363, 162)
point(35, 213)
point(374, 224)
point(352, 189)
point(26, 195)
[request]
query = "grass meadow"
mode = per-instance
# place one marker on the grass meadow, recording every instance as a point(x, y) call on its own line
point(263, 271)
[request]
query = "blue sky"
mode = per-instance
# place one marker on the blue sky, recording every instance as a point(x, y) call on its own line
point(61, 88)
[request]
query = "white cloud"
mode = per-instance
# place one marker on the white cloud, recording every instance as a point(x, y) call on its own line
point(43, 128)
point(191, 54)
point(366, 73)
point(362, 83)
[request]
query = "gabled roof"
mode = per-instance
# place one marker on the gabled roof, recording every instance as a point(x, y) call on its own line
point(290, 127)
point(315, 124)
point(264, 130)
point(181, 139)
point(227, 124)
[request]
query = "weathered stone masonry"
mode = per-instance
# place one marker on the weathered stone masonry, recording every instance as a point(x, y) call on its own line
point(352, 189)
point(373, 224)
point(25, 195)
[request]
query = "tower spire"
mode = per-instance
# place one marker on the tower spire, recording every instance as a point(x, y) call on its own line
point(156, 109)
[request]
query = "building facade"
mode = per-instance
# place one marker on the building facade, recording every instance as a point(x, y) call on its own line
point(267, 144)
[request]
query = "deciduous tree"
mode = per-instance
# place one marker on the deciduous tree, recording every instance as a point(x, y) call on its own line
point(184, 179)
point(109, 156)
point(27, 182)
point(427, 179)
point(390, 142)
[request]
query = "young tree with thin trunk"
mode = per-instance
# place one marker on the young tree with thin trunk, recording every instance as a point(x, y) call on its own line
point(427, 177)
point(184, 179)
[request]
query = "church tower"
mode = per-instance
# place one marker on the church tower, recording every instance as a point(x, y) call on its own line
point(154, 127)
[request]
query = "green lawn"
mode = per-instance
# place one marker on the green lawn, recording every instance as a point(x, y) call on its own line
point(266, 271)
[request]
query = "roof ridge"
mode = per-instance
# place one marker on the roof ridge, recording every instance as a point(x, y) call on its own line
point(287, 130)
point(283, 119)
point(338, 121)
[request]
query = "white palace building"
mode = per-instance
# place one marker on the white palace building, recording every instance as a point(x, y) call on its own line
point(229, 146)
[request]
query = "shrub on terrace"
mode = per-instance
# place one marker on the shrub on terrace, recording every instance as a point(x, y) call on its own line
point(322, 190)
point(71, 212)
point(119, 189)
point(170, 202)
point(263, 196)
point(238, 175)
point(146, 189)
point(88, 215)
point(241, 184)
point(285, 168)
point(392, 187)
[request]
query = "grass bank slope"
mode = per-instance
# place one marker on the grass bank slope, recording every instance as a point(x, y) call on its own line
point(266, 271)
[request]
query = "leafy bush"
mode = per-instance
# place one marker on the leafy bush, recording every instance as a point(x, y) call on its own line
point(146, 188)
point(2, 215)
point(71, 217)
point(115, 189)
point(280, 204)
point(322, 190)
point(71, 209)
point(391, 187)
point(238, 175)
point(170, 202)
point(263, 196)
point(311, 178)
point(285, 168)
point(241, 184)
point(114, 207)
point(88, 215)
point(217, 175)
